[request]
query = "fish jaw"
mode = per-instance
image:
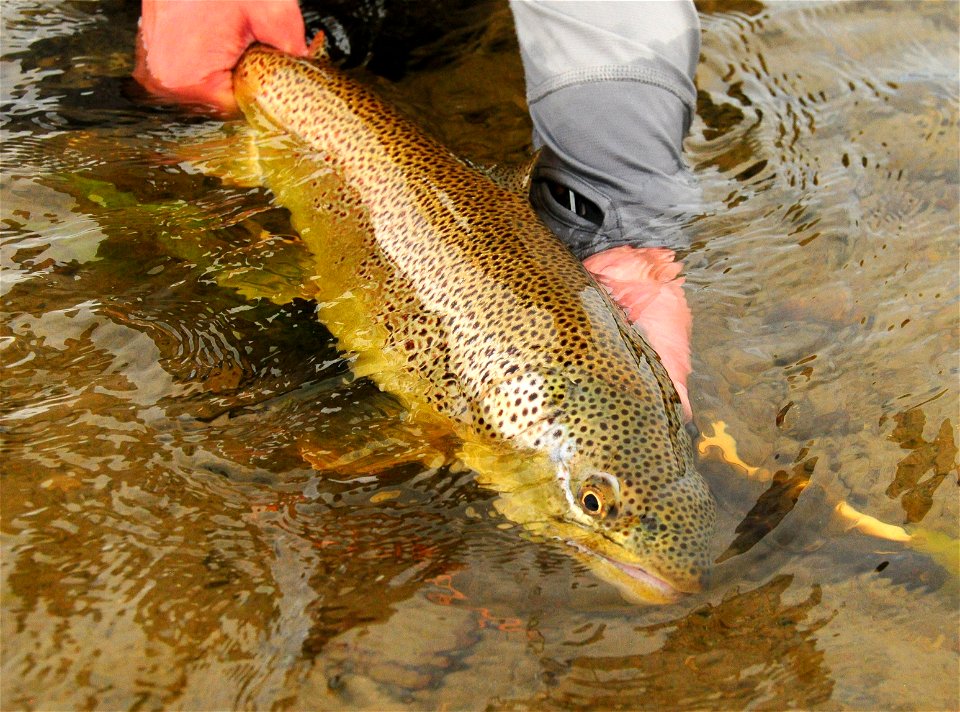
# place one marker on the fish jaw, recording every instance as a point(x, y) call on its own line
point(650, 539)
point(534, 493)
point(635, 583)
point(641, 575)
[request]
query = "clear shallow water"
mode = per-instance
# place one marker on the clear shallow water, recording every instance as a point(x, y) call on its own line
point(166, 541)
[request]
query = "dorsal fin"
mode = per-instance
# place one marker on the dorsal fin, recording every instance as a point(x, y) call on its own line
point(317, 50)
point(515, 178)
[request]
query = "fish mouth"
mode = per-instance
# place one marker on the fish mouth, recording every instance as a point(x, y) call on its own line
point(636, 583)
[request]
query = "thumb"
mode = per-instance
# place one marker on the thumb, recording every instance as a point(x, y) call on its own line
point(278, 23)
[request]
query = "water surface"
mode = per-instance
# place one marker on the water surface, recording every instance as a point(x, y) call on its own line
point(202, 508)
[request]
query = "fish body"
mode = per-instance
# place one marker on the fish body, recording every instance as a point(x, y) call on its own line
point(460, 302)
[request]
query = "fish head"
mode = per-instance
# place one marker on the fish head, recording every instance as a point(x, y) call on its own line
point(641, 521)
point(642, 516)
point(609, 472)
point(622, 489)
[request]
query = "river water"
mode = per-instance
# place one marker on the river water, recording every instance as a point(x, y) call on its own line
point(203, 509)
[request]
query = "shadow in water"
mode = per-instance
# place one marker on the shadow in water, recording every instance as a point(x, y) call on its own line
point(753, 648)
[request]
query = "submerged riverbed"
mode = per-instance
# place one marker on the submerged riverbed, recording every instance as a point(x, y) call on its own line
point(202, 508)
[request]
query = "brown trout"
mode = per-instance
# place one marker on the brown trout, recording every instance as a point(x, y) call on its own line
point(457, 300)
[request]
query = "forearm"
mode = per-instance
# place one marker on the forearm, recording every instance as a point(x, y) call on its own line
point(611, 95)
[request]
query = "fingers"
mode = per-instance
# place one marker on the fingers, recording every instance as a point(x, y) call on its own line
point(645, 282)
point(216, 91)
point(278, 23)
point(186, 49)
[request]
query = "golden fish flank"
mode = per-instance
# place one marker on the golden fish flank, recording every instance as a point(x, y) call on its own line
point(458, 300)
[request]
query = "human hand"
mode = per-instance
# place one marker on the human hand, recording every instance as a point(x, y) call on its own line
point(644, 281)
point(186, 49)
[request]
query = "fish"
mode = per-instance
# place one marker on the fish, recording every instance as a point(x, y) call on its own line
point(453, 297)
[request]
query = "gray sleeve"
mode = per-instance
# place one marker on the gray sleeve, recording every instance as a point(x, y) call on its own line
point(611, 95)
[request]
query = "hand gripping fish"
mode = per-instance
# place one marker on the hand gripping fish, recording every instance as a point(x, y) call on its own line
point(457, 300)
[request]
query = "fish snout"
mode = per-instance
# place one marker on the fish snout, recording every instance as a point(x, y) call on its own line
point(664, 550)
point(678, 531)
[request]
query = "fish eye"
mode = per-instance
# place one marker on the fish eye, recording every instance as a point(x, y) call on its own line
point(591, 500)
point(598, 495)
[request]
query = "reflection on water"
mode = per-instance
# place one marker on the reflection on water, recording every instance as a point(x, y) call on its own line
point(752, 648)
point(203, 509)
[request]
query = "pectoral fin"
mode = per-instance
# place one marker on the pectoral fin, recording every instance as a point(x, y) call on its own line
point(515, 178)
point(275, 268)
point(233, 155)
point(384, 442)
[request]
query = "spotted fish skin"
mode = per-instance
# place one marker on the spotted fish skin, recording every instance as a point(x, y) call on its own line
point(460, 302)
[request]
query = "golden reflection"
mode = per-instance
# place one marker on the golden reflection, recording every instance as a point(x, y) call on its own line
point(871, 526)
point(724, 445)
